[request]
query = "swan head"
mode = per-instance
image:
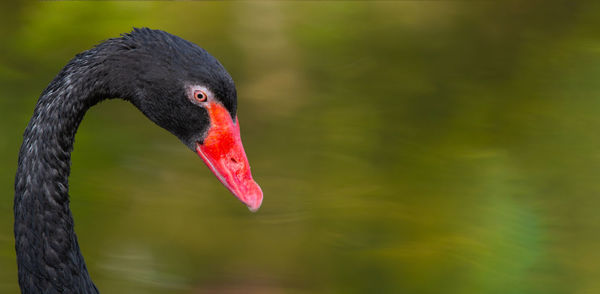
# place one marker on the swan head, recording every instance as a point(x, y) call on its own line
point(185, 90)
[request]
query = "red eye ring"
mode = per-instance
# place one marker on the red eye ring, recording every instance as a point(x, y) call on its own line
point(200, 96)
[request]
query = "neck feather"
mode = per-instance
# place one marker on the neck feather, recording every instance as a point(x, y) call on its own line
point(48, 255)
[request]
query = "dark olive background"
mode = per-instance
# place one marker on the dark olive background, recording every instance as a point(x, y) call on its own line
point(403, 147)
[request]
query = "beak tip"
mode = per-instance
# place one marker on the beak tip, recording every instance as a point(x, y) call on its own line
point(253, 209)
point(255, 200)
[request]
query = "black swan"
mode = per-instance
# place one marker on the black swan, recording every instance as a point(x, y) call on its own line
point(175, 83)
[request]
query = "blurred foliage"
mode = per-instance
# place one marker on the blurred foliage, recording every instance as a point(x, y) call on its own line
point(403, 147)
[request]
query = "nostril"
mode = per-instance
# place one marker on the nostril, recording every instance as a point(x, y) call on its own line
point(233, 160)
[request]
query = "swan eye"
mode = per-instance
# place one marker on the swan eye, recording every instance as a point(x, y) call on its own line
point(200, 96)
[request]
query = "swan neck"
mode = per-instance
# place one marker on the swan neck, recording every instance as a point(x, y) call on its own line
point(48, 255)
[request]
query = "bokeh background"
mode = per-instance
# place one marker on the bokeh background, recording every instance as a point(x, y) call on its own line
point(403, 147)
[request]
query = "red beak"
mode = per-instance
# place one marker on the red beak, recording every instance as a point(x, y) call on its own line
point(223, 153)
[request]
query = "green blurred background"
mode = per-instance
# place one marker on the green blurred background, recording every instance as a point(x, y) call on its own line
point(403, 147)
